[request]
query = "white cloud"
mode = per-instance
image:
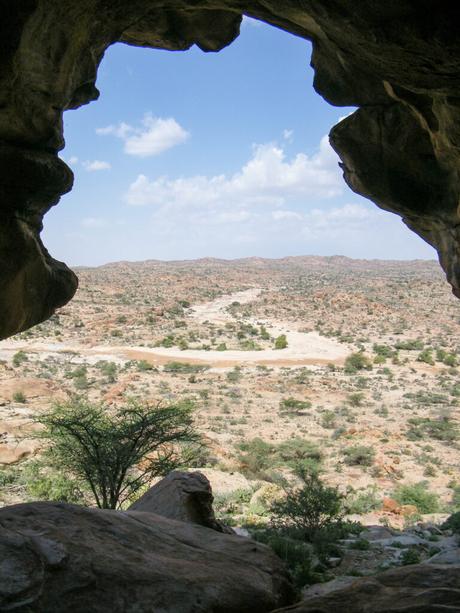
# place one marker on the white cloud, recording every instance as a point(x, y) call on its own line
point(266, 179)
point(287, 135)
point(93, 222)
point(73, 160)
point(155, 136)
point(92, 166)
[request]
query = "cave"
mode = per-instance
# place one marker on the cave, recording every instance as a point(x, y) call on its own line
point(396, 62)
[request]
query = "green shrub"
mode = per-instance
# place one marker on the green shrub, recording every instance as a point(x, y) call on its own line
point(359, 455)
point(443, 429)
point(143, 365)
point(9, 476)
point(44, 483)
point(357, 361)
point(308, 509)
point(410, 345)
point(19, 397)
point(362, 502)
point(19, 358)
point(360, 544)
point(297, 555)
point(256, 456)
point(328, 420)
point(184, 368)
point(356, 399)
point(234, 375)
point(419, 496)
point(453, 523)
point(281, 342)
point(410, 556)
point(301, 455)
point(426, 356)
point(291, 406)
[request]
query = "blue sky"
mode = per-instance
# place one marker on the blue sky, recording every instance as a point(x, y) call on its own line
point(192, 154)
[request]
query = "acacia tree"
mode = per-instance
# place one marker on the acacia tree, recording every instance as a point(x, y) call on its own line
point(117, 452)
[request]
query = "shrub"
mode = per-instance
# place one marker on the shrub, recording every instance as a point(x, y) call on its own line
point(19, 397)
point(297, 555)
point(419, 496)
point(453, 523)
point(426, 356)
point(299, 454)
point(355, 399)
point(44, 483)
point(357, 361)
point(359, 455)
point(291, 406)
point(143, 365)
point(308, 509)
point(410, 345)
point(19, 358)
point(234, 375)
point(328, 419)
point(281, 342)
point(443, 429)
point(363, 502)
point(256, 456)
point(184, 367)
point(410, 556)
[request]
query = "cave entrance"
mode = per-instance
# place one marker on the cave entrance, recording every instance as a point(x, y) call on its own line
point(189, 155)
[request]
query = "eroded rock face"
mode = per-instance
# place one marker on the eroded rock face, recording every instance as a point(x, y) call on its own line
point(420, 588)
point(56, 557)
point(399, 61)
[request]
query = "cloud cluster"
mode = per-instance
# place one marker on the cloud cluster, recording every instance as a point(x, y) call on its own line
point(153, 137)
point(268, 179)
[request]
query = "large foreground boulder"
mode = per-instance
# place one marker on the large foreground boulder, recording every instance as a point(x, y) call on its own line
point(420, 588)
point(183, 496)
point(57, 557)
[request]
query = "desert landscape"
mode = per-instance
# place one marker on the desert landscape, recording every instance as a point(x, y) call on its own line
point(348, 367)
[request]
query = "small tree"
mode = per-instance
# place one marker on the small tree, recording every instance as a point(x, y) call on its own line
point(309, 509)
point(117, 452)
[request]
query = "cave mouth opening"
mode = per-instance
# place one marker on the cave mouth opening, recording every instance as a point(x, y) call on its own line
point(188, 155)
point(398, 150)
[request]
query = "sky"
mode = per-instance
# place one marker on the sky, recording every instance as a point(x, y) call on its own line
point(192, 154)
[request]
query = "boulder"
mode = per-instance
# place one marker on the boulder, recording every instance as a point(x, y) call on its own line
point(182, 496)
point(57, 557)
point(420, 588)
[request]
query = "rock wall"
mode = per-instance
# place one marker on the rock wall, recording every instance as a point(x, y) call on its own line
point(398, 61)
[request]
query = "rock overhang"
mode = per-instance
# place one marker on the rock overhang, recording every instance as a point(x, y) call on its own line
point(397, 61)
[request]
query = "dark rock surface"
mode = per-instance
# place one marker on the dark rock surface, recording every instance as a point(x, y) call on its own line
point(399, 61)
point(57, 557)
point(421, 588)
point(182, 496)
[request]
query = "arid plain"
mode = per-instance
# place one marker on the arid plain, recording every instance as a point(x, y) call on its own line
point(350, 365)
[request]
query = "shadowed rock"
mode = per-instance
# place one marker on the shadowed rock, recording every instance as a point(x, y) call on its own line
point(57, 557)
point(421, 588)
point(182, 496)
